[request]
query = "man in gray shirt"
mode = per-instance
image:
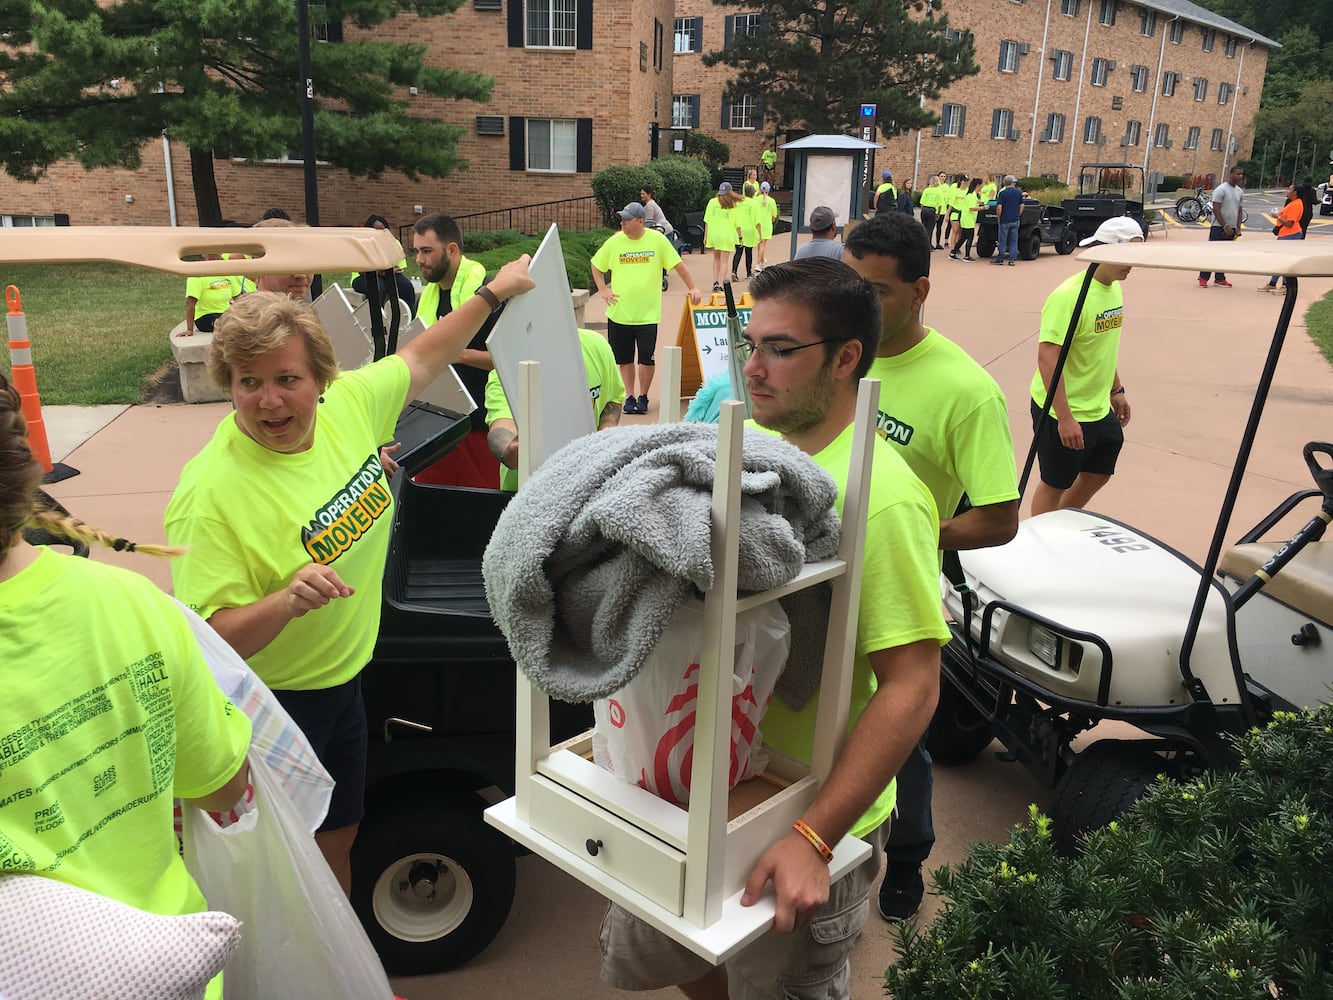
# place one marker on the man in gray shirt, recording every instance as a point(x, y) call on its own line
point(824, 235)
point(1227, 201)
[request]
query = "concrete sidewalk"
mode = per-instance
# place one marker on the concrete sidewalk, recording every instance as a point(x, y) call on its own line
point(1189, 357)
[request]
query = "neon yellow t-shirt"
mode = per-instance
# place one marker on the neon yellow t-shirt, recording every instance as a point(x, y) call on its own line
point(1089, 372)
point(469, 277)
point(604, 386)
point(967, 210)
point(987, 192)
point(930, 197)
point(900, 596)
point(109, 712)
point(212, 295)
point(719, 227)
point(250, 518)
point(768, 214)
point(947, 418)
point(747, 215)
point(636, 275)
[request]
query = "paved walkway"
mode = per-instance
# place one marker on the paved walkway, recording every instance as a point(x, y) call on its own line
point(1189, 357)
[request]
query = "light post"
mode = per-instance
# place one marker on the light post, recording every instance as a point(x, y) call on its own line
point(308, 124)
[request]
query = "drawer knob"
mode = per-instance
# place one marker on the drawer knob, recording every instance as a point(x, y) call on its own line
point(593, 846)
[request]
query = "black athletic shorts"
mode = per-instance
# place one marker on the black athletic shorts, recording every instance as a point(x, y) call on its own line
point(334, 721)
point(1060, 466)
point(626, 338)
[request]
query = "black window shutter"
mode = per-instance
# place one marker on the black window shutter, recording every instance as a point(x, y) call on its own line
point(697, 42)
point(995, 123)
point(726, 111)
point(962, 120)
point(583, 27)
point(335, 31)
point(763, 23)
point(728, 26)
point(518, 140)
point(583, 146)
point(516, 24)
point(694, 110)
point(1001, 56)
point(759, 114)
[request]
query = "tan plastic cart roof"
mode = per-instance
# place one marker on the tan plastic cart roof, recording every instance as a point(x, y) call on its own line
point(276, 250)
point(1301, 258)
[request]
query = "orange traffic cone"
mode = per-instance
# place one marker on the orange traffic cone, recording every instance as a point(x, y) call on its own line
point(24, 378)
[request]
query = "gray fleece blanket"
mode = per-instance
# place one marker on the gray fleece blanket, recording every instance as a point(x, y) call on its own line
point(612, 535)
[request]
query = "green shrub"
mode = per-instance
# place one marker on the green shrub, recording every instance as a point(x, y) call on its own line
point(684, 185)
point(577, 248)
point(1171, 182)
point(1051, 195)
point(1217, 887)
point(1031, 184)
point(616, 187)
point(489, 239)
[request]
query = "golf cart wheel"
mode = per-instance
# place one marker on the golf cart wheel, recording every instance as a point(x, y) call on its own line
point(985, 245)
point(432, 885)
point(958, 732)
point(1099, 786)
point(1030, 247)
point(1067, 242)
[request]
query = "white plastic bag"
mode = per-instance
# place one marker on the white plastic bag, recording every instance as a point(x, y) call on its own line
point(300, 938)
point(645, 731)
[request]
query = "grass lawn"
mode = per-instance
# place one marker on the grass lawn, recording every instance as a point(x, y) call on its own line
point(1319, 321)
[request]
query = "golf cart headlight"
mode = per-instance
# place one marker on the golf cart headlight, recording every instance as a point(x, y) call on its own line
point(1044, 644)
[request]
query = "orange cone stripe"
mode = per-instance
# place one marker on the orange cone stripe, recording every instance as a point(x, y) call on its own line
point(24, 378)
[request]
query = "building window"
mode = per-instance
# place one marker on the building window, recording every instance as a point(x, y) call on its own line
point(1133, 133)
point(1063, 64)
point(687, 32)
point(1209, 37)
point(552, 144)
point(1200, 88)
point(1230, 48)
point(1224, 92)
point(952, 117)
point(1002, 124)
point(1216, 142)
point(321, 28)
point(1070, 8)
point(684, 110)
point(746, 25)
point(1148, 22)
point(1106, 15)
point(1055, 128)
point(1162, 136)
point(1008, 57)
point(26, 221)
point(1139, 76)
point(1192, 137)
point(1177, 31)
point(740, 112)
point(1169, 81)
point(1092, 131)
point(659, 37)
point(552, 24)
point(1100, 69)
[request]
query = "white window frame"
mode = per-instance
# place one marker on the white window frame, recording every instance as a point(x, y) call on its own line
point(560, 27)
point(1008, 56)
point(1139, 79)
point(1002, 123)
point(951, 120)
point(1193, 136)
point(1092, 130)
point(682, 30)
point(747, 25)
point(1169, 81)
point(685, 102)
point(742, 113)
point(561, 145)
point(1148, 23)
point(1230, 47)
point(1218, 140)
point(1134, 132)
point(1200, 88)
point(1209, 38)
point(1224, 92)
point(1161, 135)
point(1177, 31)
point(1101, 71)
point(1106, 15)
point(1055, 127)
point(1070, 8)
point(26, 221)
point(1062, 65)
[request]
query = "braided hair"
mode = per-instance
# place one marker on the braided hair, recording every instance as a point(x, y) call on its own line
point(20, 477)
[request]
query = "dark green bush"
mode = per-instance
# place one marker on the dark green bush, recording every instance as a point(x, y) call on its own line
point(616, 187)
point(578, 249)
point(684, 185)
point(1171, 182)
point(489, 239)
point(1219, 887)
point(1031, 184)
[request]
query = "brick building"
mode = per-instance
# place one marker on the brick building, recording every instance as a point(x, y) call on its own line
point(1162, 83)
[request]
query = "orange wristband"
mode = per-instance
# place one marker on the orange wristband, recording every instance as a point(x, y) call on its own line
point(816, 841)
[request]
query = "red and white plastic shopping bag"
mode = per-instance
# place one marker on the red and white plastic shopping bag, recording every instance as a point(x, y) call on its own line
point(645, 731)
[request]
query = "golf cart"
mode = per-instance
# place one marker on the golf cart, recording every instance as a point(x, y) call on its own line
point(1083, 618)
point(1038, 224)
point(431, 882)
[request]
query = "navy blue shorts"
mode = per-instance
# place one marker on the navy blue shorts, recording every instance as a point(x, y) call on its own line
point(334, 721)
point(1060, 466)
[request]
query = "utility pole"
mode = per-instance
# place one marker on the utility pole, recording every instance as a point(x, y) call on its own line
point(308, 125)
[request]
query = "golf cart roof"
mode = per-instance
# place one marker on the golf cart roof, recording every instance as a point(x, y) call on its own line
point(274, 250)
point(1296, 258)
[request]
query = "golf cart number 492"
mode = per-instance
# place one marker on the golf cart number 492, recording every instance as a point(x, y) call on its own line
point(1082, 618)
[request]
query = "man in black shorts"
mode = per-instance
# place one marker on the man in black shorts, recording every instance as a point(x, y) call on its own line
point(1079, 441)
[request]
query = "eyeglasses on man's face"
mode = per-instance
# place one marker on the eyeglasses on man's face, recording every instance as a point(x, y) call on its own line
point(772, 352)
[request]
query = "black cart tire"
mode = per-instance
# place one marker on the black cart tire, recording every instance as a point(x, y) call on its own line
point(1067, 241)
point(1030, 246)
point(1100, 785)
point(985, 245)
point(958, 732)
point(431, 884)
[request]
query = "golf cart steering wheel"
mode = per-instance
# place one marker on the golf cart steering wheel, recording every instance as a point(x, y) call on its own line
point(1323, 475)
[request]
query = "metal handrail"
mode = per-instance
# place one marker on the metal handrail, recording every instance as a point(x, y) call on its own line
point(570, 214)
